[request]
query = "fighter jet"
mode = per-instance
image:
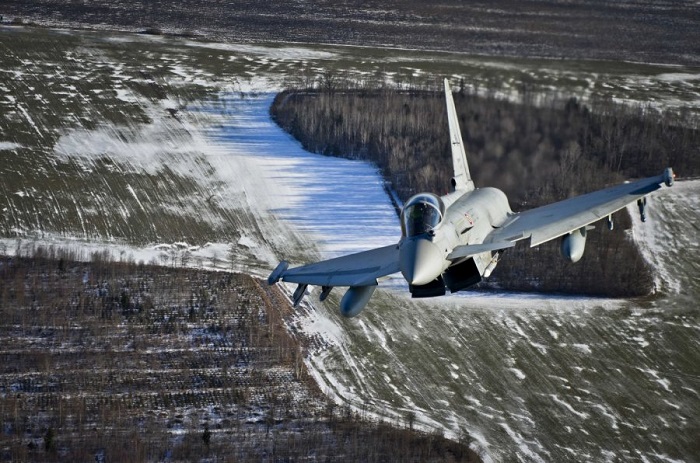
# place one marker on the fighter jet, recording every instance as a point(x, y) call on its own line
point(451, 242)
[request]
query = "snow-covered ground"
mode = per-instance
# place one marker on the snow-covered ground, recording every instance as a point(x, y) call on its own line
point(336, 203)
point(330, 206)
point(530, 378)
point(669, 239)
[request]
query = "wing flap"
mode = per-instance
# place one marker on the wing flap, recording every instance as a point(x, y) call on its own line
point(474, 249)
point(360, 269)
point(554, 220)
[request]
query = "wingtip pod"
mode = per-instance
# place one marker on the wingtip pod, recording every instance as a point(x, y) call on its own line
point(277, 272)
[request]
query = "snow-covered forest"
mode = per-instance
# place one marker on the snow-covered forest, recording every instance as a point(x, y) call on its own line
point(117, 361)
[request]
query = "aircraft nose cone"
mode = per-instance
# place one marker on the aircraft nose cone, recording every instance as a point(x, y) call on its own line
point(420, 261)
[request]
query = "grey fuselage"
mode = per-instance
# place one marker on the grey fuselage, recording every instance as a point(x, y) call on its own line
point(467, 219)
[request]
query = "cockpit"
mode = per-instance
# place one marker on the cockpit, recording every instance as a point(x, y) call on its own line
point(421, 214)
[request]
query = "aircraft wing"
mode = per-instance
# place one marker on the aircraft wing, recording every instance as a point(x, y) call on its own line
point(554, 220)
point(360, 269)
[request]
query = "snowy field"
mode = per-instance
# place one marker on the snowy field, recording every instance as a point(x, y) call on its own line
point(131, 146)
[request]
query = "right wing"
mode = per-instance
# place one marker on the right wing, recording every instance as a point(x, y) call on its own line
point(554, 220)
point(360, 269)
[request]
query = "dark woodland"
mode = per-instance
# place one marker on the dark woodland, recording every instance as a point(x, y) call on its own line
point(535, 153)
point(114, 361)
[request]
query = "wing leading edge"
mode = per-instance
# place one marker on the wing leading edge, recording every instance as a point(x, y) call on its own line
point(360, 269)
point(554, 220)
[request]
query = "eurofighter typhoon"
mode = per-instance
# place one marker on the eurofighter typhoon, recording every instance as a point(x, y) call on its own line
point(451, 242)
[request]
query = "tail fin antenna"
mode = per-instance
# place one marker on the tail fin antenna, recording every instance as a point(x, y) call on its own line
point(462, 180)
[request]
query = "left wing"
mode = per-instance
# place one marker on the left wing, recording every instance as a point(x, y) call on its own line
point(360, 269)
point(554, 220)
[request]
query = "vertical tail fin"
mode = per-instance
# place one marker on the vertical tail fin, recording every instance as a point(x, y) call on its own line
point(462, 180)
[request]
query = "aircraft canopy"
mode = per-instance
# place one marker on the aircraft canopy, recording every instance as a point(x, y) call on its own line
point(421, 214)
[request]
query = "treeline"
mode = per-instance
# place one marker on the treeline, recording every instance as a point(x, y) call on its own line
point(536, 153)
point(108, 361)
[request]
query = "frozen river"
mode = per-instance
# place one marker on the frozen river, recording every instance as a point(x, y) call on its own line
point(336, 203)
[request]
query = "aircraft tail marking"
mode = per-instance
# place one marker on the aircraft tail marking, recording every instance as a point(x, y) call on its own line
point(462, 180)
